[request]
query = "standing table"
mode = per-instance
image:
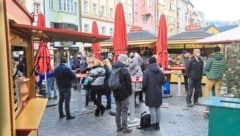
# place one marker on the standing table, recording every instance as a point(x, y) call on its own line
point(133, 121)
point(177, 68)
point(80, 108)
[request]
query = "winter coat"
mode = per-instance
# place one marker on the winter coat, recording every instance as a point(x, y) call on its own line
point(153, 80)
point(135, 68)
point(107, 89)
point(216, 66)
point(194, 69)
point(64, 76)
point(125, 79)
point(186, 61)
point(97, 75)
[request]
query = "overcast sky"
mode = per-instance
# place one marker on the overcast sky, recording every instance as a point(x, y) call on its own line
point(222, 10)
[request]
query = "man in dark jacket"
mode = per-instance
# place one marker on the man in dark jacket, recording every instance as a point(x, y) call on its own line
point(122, 95)
point(64, 77)
point(153, 80)
point(194, 71)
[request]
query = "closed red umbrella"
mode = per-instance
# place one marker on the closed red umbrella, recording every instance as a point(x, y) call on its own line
point(120, 34)
point(161, 45)
point(95, 46)
point(43, 57)
point(41, 20)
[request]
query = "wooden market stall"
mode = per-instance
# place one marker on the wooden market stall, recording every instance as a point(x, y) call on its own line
point(18, 94)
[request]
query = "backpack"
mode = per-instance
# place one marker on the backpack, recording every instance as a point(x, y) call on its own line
point(145, 120)
point(114, 79)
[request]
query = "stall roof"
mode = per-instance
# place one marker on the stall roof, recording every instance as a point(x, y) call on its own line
point(190, 35)
point(232, 35)
point(56, 34)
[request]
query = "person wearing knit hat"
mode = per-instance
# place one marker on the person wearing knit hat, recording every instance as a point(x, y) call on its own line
point(153, 80)
point(123, 58)
point(123, 93)
point(152, 60)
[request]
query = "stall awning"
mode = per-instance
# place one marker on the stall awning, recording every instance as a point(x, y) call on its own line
point(56, 34)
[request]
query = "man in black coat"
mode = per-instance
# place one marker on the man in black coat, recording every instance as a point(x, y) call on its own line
point(194, 71)
point(153, 80)
point(122, 94)
point(64, 77)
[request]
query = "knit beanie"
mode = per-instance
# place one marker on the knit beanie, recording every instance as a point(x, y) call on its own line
point(122, 58)
point(152, 60)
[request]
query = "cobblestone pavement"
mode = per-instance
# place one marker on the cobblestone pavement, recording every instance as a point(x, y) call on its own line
point(176, 120)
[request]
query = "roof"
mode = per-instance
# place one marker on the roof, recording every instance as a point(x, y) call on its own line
point(190, 35)
point(232, 35)
point(226, 27)
point(139, 35)
point(55, 34)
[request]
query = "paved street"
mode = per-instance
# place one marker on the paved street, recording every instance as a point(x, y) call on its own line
point(177, 120)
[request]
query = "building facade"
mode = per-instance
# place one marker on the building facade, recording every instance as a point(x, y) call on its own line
point(169, 8)
point(182, 6)
point(144, 14)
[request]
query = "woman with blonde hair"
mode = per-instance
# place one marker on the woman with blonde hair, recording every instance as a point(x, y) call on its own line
point(96, 77)
point(108, 67)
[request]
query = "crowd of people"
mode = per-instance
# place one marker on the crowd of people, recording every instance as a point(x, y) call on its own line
point(99, 72)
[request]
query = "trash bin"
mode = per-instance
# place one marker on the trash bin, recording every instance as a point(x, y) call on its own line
point(224, 116)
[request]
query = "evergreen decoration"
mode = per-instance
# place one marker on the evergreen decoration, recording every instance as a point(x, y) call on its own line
point(232, 76)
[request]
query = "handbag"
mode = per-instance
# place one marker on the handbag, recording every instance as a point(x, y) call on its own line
point(86, 81)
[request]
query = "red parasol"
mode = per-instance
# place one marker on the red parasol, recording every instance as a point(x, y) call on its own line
point(161, 45)
point(95, 46)
point(43, 57)
point(41, 20)
point(120, 34)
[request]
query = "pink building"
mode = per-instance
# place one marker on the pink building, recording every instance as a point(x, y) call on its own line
point(144, 14)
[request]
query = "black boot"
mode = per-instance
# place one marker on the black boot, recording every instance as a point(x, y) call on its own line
point(108, 106)
point(157, 127)
point(102, 109)
point(151, 127)
point(97, 111)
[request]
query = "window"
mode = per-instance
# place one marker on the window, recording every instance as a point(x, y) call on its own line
point(86, 28)
point(135, 2)
point(161, 1)
point(36, 8)
point(67, 6)
point(111, 31)
point(103, 29)
point(129, 17)
point(102, 13)
point(85, 6)
point(111, 12)
point(51, 4)
point(171, 7)
point(95, 9)
point(136, 17)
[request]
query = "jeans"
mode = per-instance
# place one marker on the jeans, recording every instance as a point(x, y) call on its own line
point(109, 98)
point(155, 114)
point(122, 113)
point(186, 82)
point(50, 87)
point(196, 85)
point(64, 96)
point(87, 95)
